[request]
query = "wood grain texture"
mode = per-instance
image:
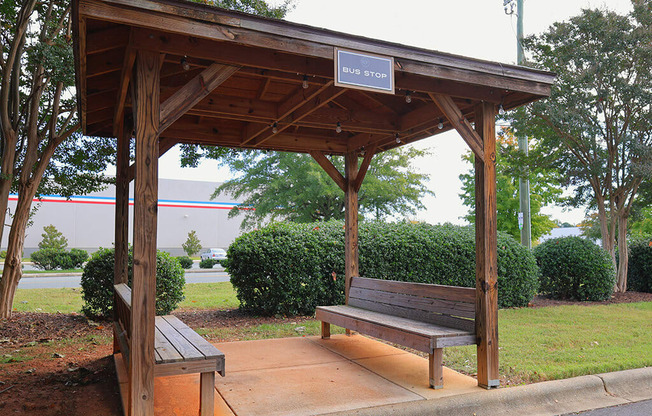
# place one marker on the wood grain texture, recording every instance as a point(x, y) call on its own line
point(461, 124)
point(141, 366)
point(370, 151)
point(122, 205)
point(206, 393)
point(193, 92)
point(486, 250)
point(436, 367)
point(350, 222)
point(330, 169)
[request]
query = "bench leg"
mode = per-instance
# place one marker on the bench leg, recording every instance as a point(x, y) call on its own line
point(437, 369)
point(325, 330)
point(207, 394)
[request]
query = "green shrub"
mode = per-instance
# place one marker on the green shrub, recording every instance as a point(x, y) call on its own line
point(185, 261)
point(52, 239)
point(3, 254)
point(291, 268)
point(97, 283)
point(207, 263)
point(51, 259)
point(575, 268)
point(639, 271)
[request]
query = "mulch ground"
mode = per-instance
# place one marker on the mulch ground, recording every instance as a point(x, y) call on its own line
point(61, 364)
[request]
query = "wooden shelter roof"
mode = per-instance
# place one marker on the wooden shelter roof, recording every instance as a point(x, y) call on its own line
point(237, 75)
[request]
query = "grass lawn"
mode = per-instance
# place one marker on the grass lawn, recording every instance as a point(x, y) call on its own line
point(52, 271)
point(536, 344)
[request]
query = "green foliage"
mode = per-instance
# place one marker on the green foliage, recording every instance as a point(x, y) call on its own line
point(544, 189)
point(52, 239)
point(595, 127)
point(52, 258)
point(3, 254)
point(639, 275)
point(258, 7)
point(207, 263)
point(289, 268)
point(192, 244)
point(97, 283)
point(575, 268)
point(185, 261)
point(288, 186)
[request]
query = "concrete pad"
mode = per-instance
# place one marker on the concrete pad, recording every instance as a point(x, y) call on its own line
point(179, 395)
point(356, 347)
point(273, 353)
point(634, 385)
point(308, 389)
point(411, 371)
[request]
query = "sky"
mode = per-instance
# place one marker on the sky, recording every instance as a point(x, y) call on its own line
point(474, 28)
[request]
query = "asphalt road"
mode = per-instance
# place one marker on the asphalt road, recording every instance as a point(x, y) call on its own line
point(28, 282)
point(643, 408)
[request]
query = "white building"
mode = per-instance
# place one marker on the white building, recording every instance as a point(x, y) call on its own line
point(88, 221)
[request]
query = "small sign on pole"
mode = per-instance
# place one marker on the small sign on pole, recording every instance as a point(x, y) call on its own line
point(520, 220)
point(364, 71)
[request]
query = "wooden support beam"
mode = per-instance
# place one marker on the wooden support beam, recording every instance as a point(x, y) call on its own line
point(332, 171)
point(164, 145)
point(125, 79)
point(369, 153)
point(461, 124)
point(122, 204)
point(141, 365)
point(486, 319)
point(193, 92)
point(350, 222)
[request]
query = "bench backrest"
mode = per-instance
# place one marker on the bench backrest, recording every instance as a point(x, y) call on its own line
point(122, 311)
point(444, 305)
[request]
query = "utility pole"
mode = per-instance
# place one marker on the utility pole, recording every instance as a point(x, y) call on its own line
point(524, 217)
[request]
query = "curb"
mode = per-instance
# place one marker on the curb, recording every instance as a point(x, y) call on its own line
point(556, 397)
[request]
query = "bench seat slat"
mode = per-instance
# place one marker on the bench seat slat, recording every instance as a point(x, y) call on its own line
point(426, 317)
point(412, 326)
point(185, 348)
point(167, 352)
point(207, 349)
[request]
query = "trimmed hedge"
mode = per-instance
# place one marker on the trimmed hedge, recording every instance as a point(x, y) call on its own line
point(51, 258)
point(575, 268)
point(97, 283)
point(208, 263)
point(639, 270)
point(185, 262)
point(289, 268)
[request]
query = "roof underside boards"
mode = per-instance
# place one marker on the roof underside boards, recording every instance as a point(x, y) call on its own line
point(244, 81)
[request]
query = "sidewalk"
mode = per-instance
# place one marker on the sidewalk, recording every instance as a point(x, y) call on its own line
point(360, 376)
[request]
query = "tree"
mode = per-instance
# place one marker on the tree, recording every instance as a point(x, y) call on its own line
point(543, 186)
point(596, 128)
point(192, 244)
point(279, 185)
point(41, 150)
point(259, 7)
point(52, 239)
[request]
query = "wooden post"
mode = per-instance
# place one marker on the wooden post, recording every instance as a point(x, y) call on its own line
point(486, 271)
point(350, 221)
point(122, 204)
point(141, 366)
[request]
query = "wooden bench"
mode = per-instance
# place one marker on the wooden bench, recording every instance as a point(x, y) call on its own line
point(178, 349)
point(421, 316)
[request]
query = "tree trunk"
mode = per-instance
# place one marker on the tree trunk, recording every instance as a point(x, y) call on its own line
point(13, 269)
point(608, 237)
point(623, 255)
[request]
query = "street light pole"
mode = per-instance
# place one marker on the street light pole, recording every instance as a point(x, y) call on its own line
point(524, 220)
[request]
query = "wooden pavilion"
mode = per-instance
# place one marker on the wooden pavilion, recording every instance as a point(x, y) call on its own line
point(164, 72)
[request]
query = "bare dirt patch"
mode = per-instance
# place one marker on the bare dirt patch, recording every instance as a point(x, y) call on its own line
point(627, 297)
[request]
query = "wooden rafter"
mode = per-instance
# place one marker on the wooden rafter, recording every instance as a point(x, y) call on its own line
point(330, 169)
point(193, 92)
point(459, 122)
point(294, 110)
point(125, 79)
